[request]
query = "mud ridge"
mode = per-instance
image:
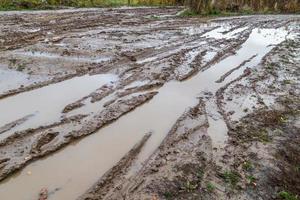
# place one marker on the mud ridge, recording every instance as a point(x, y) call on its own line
point(113, 177)
point(222, 78)
point(25, 155)
point(167, 158)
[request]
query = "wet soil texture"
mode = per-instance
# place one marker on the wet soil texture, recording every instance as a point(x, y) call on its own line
point(140, 103)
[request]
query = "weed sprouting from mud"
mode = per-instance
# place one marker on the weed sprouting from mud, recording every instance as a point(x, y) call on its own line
point(261, 126)
point(288, 157)
point(210, 187)
point(190, 186)
point(231, 177)
point(154, 17)
point(251, 179)
point(12, 61)
point(168, 195)
point(192, 180)
point(262, 136)
point(187, 182)
point(247, 165)
point(21, 67)
point(287, 82)
point(188, 13)
point(287, 195)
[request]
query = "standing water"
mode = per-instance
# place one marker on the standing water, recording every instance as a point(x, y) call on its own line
point(70, 172)
point(46, 104)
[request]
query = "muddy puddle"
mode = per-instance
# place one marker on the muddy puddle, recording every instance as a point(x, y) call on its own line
point(47, 55)
point(224, 32)
point(45, 105)
point(71, 171)
point(10, 79)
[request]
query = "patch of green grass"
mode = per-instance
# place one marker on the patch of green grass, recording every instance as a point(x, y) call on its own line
point(25, 5)
point(200, 174)
point(262, 136)
point(54, 4)
point(259, 135)
point(188, 13)
point(7, 7)
point(154, 17)
point(270, 68)
point(216, 12)
point(247, 165)
point(247, 11)
point(287, 195)
point(251, 179)
point(168, 195)
point(189, 186)
point(210, 187)
point(286, 82)
point(231, 177)
point(12, 61)
point(21, 67)
point(297, 169)
point(283, 119)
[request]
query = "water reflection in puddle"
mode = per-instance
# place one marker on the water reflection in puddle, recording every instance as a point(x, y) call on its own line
point(47, 103)
point(10, 79)
point(66, 58)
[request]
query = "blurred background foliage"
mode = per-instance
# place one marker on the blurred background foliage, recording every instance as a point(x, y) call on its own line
point(23, 4)
point(244, 6)
point(210, 7)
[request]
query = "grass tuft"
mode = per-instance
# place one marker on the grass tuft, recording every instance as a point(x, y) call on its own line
point(287, 196)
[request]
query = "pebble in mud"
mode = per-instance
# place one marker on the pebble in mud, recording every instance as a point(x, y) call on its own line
point(43, 194)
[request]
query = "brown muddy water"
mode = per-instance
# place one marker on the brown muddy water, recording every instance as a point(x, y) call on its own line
point(63, 58)
point(10, 79)
point(45, 104)
point(71, 171)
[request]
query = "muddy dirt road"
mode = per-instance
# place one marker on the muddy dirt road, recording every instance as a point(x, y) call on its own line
point(139, 103)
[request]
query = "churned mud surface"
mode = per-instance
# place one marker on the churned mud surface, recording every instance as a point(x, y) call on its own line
point(140, 103)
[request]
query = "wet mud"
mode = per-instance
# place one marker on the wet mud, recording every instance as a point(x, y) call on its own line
point(219, 97)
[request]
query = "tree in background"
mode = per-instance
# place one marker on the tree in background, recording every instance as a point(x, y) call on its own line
point(199, 6)
point(208, 6)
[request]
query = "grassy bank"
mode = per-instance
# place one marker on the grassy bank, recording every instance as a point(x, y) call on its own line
point(218, 13)
point(50, 4)
point(208, 7)
point(202, 7)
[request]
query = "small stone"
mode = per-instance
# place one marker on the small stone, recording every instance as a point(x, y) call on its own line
point(43, 194)
point(119, 187)
point(154, 169)
point(27, 157)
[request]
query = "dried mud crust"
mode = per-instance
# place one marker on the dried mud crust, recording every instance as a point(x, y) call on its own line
point(262, 155)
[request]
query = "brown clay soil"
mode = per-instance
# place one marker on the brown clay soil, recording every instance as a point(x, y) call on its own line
point(233, 132)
